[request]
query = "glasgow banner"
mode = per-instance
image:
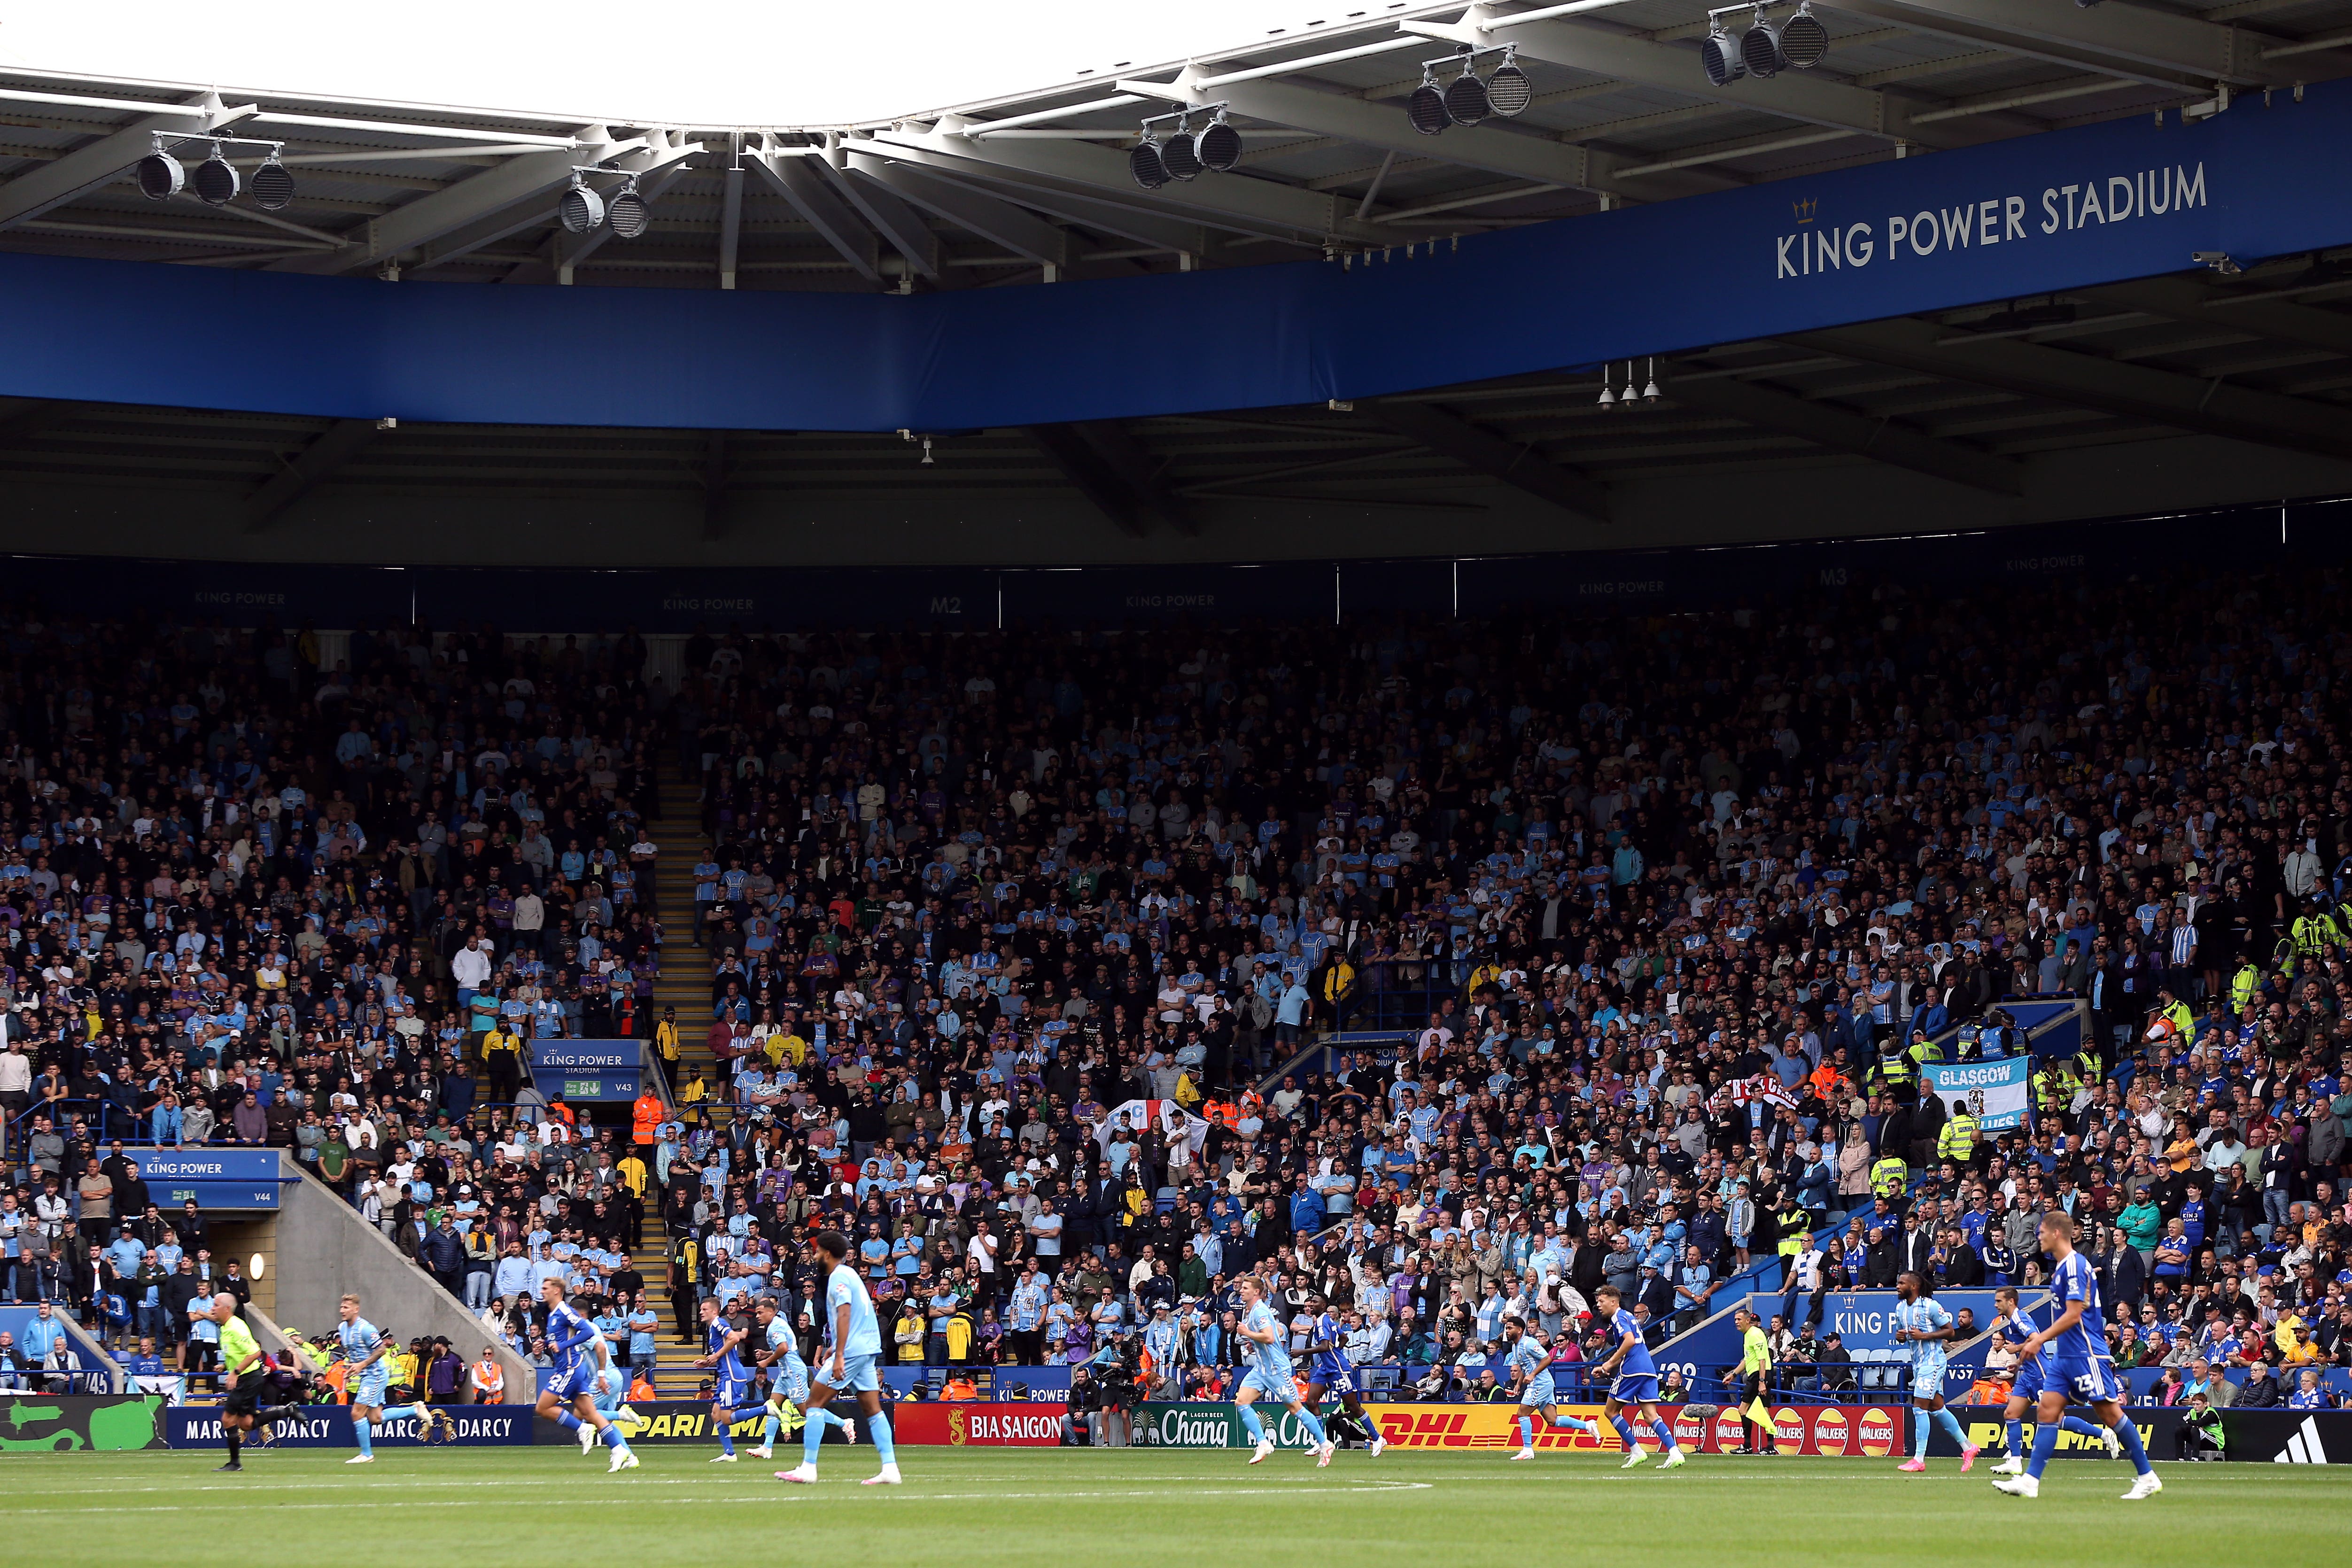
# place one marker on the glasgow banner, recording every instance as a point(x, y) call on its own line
point(1998, 1094)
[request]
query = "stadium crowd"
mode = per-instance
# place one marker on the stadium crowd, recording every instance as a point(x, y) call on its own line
point(1654, 922)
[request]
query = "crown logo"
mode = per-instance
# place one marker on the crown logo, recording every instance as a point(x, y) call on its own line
point(1804, 208)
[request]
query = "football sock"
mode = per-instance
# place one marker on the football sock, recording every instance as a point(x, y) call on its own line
point(2045, 1443)
point(1527, 1431)
point(365, 1431)
point(813, 1433)
point(1316, 1436)
point(1948, 1424)
point(1625, 1430)
point(1665, 1435)
point(878, 1425)
point(2015, 1437)
point(1252, 1425)
point(568, 1421)
point(2133, 1448)
point(767, 1430)
point(1573, 1425)
point(1918, 1431)
point(726, 1422)
point(235, 1440)
point(2080, 1427)
point(613, 1438)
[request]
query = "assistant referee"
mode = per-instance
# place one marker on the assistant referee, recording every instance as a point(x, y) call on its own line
point(1755, 1364)
point(241, 1360)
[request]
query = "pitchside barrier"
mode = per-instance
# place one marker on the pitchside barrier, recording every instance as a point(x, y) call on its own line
point(58, 1424)
point(2289, 1436)
point(2159, 1428)
point(689, 1421)
point(1832, 1431)
point(329, 1427)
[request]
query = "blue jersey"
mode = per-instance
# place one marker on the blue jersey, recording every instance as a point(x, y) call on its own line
point(1327, 1331)
point(1273, 1358)
point(865, 1334)
point(360, 1339)
point(1528, 1360)
point(2075, 1280)
point(1637, 1362)
point(730, 1364)
point(567, 1330)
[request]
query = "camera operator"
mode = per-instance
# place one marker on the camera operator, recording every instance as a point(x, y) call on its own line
point(1078, 1416)
point(1118, 1370)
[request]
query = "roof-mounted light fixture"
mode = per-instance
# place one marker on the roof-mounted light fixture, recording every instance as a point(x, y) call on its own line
point(161, 176)
point(1505, 92)
point(1216, 148)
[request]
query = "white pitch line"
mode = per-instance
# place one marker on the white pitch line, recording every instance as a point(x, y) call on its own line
point(762, 1497)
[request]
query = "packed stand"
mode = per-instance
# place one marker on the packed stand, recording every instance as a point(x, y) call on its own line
point(255, 896)
point(1658, 915)
point(1674, 905)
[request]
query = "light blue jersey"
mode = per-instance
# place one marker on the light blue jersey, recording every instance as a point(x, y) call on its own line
point(790, 1376)
point(1927, 1357)
point(360, 1339)
point(1530, 1364)
point(865, 1332)
point(1271, 1358)
point(1269, 1370)
point(861, 1344)
point(608, 1388)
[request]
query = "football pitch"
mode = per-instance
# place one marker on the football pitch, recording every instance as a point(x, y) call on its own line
point(973, 1506)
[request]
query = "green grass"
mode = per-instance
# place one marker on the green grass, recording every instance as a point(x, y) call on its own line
point(975, 1507)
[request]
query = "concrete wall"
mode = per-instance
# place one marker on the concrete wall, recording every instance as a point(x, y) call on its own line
point(325, 1248)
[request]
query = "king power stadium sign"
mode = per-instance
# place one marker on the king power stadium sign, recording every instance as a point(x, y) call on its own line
point(1823, 247)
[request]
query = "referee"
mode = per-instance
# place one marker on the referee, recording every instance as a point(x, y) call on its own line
point(1755, 1364)
point(241, 1360)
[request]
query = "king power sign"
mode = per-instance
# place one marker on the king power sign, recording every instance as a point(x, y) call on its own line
point(1820, 245)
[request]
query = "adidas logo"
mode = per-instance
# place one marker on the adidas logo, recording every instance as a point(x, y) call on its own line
point(2303, 1447)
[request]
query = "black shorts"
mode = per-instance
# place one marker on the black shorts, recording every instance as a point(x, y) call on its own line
point(245, 1399)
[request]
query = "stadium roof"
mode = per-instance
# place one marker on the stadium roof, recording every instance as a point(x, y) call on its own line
point(2189, 390)
point(1031, 186)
